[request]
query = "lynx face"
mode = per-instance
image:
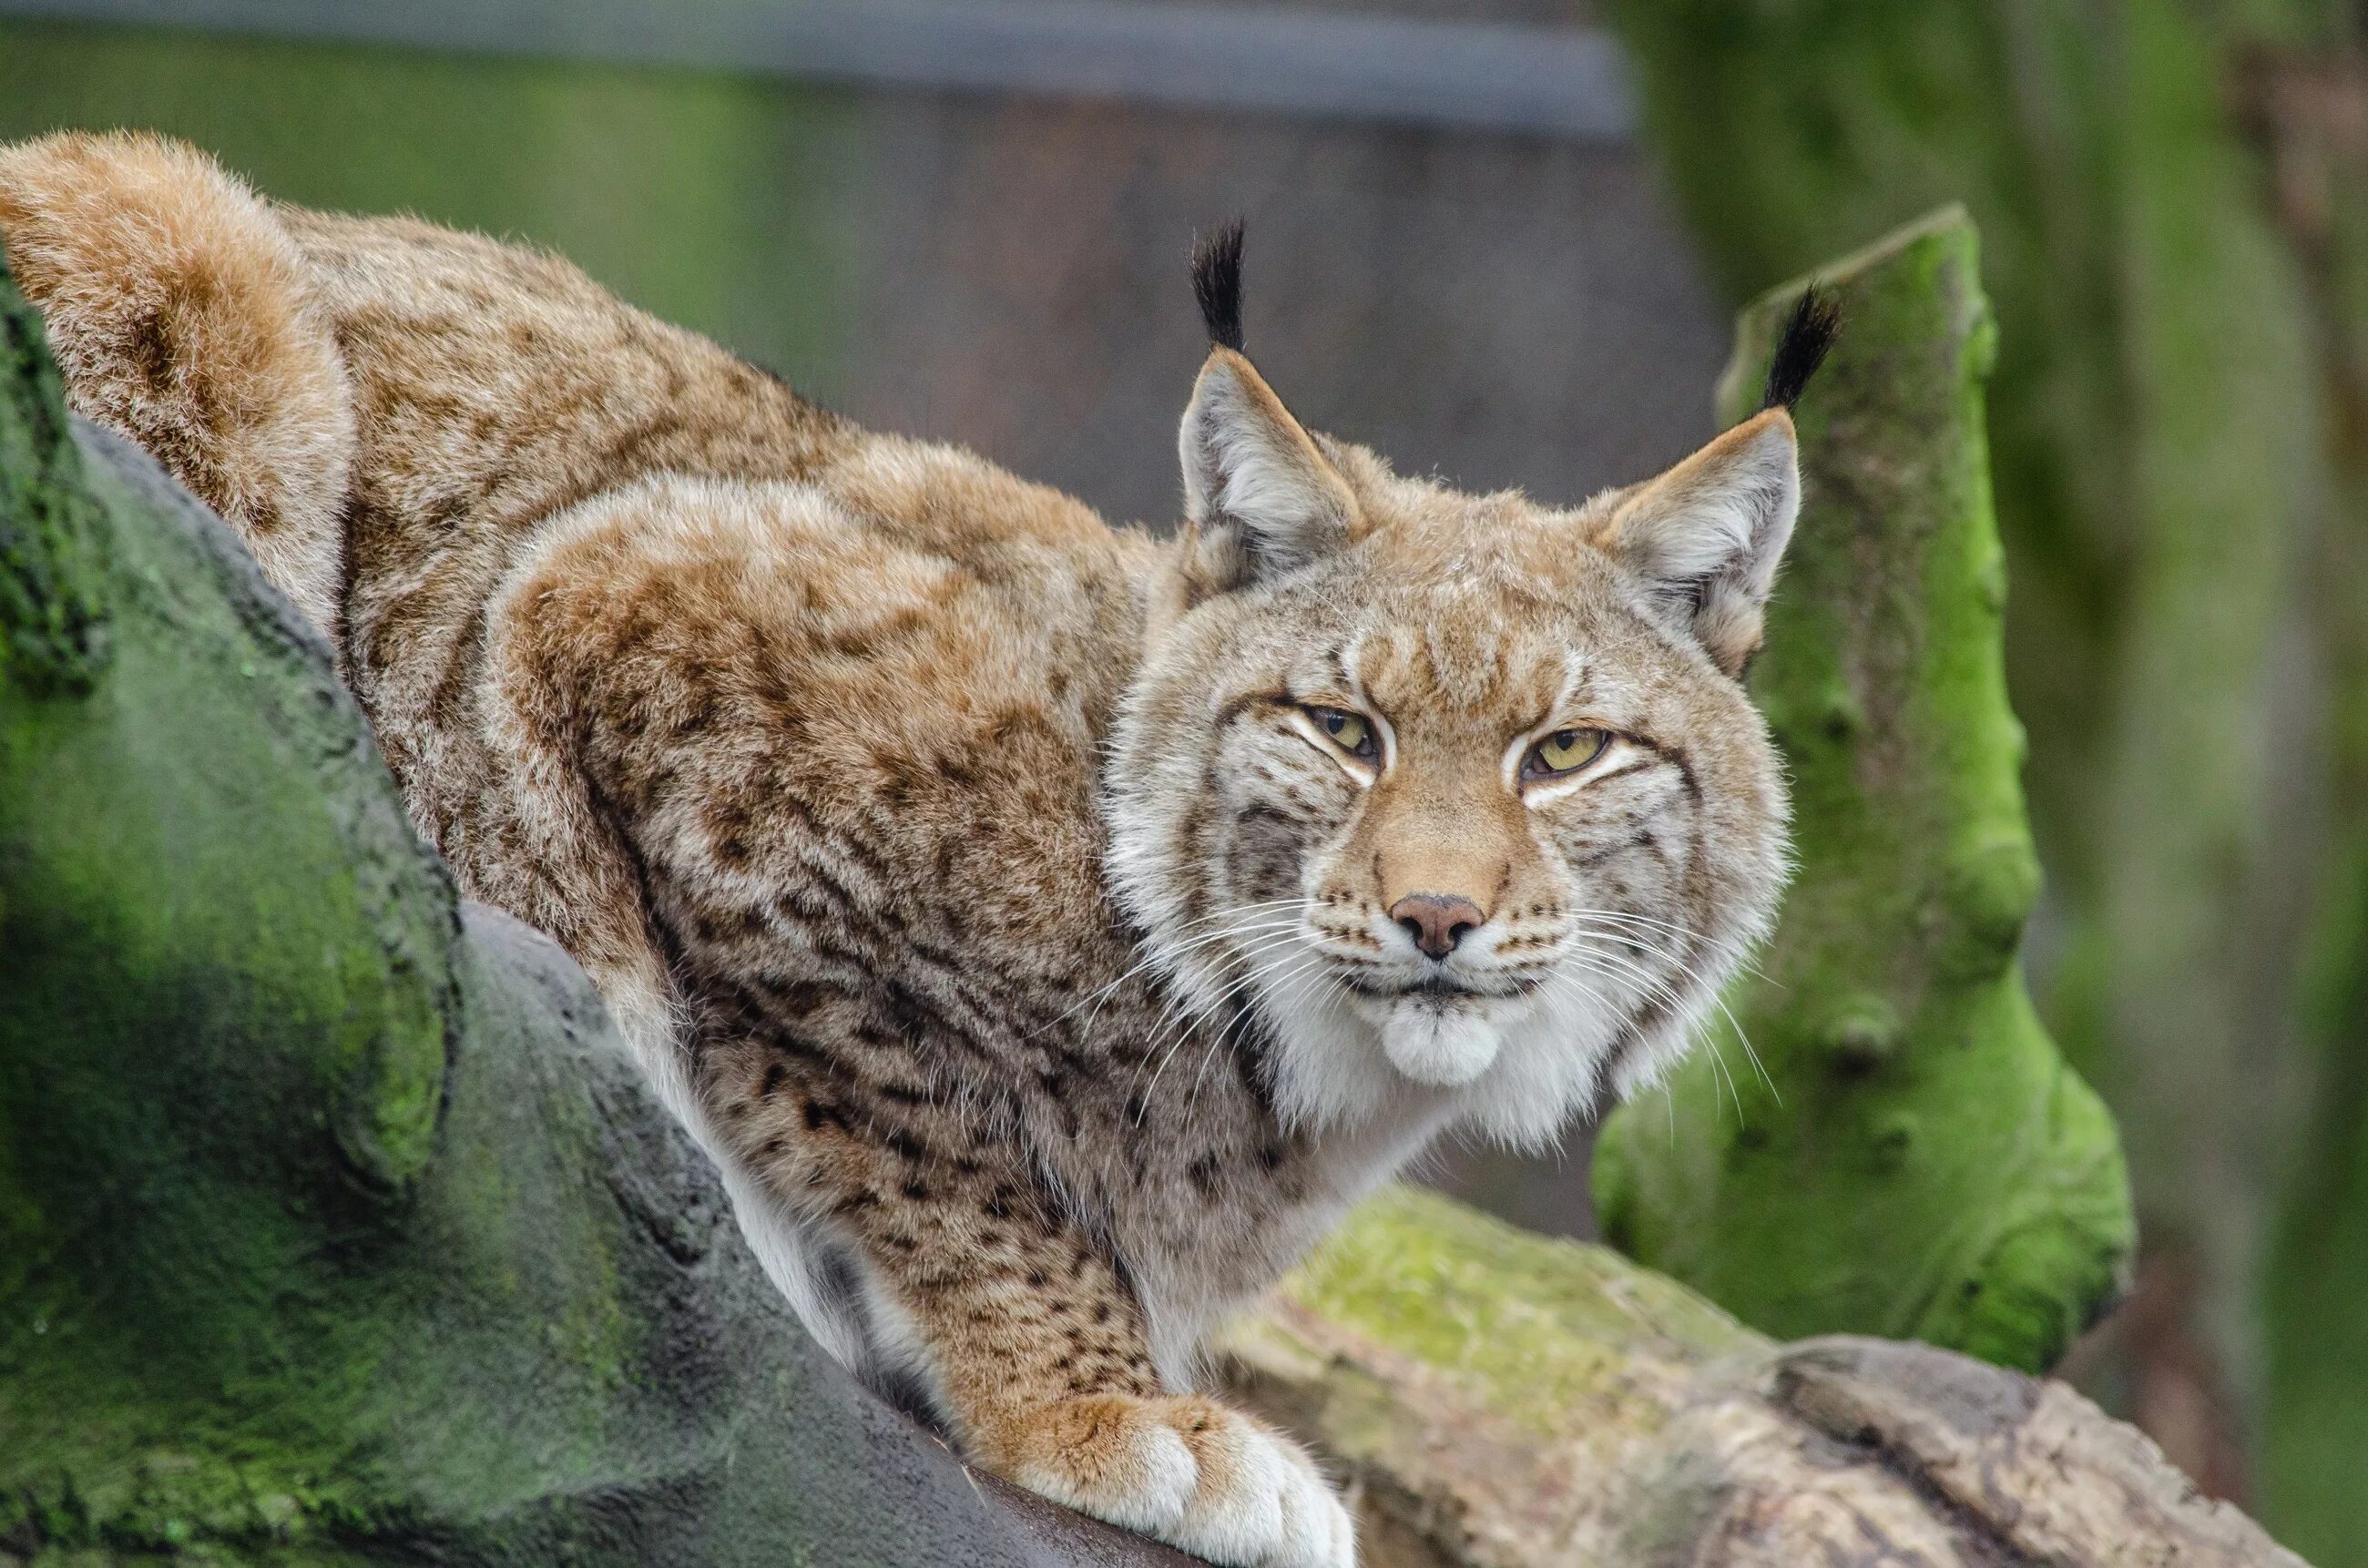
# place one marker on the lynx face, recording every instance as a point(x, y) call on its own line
point(1459, 796)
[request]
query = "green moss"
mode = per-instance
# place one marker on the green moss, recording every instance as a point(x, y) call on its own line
point(1931, 1167)
point(1535, 1323)
point(2180, 251)
point(51, 602)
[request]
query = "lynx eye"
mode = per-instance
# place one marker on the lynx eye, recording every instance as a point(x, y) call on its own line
point(1565, 751)
point(1348, 732)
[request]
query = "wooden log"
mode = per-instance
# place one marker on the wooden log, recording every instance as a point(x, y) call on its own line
point(1497, 1400)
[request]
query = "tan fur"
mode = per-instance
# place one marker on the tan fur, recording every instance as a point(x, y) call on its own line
point(978, 882)
point(177, 309)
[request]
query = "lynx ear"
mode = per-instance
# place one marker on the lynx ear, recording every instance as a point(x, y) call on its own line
point(1258, 495)
point(1708, 534)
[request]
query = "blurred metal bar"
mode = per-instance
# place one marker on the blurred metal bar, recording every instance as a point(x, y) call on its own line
point(1563, 82)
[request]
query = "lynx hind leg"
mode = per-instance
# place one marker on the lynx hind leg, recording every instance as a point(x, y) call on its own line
point(175, 303)
point(1019, 1326)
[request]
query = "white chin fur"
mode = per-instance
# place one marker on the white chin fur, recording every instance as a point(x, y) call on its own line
point(1510, 1070)
point(1446, 1047)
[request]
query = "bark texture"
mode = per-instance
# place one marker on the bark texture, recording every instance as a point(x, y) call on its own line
point(1931, 1166)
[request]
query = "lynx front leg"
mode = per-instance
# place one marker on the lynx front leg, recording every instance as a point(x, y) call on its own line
point(1040, 1356)
point(1028, 1336)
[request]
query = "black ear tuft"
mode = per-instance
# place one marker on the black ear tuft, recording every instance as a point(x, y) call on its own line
point(1816, 321)
point(1217, 284)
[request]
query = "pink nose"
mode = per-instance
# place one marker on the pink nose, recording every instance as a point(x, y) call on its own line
point(1437, 920)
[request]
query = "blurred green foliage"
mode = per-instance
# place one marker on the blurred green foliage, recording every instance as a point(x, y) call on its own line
point(705, 200)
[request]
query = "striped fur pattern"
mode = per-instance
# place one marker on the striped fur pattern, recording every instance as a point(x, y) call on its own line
point(1017, 907)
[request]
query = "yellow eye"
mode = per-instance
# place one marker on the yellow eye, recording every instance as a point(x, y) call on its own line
point(1348, 732)
point(1565, 751)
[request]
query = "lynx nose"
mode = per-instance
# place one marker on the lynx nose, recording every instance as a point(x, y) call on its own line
point(1437, 920)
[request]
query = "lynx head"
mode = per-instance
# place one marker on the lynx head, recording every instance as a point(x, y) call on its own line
point(1459, 796)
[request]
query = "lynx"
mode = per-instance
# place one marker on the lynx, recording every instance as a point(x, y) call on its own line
point(1049, 928)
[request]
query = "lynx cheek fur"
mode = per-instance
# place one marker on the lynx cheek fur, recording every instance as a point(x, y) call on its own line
point(1049, 929)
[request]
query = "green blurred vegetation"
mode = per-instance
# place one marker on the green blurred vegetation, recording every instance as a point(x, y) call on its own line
point(2171, 202)
point(705, 200)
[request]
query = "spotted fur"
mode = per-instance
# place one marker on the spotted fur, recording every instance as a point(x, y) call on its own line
point(982, 884)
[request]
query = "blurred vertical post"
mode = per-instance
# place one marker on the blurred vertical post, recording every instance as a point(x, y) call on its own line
point(1927, 1167)
point(2308, 98)
point(2314, 1435)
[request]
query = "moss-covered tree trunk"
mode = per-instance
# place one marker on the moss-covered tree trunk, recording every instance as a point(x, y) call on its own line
point(2176, 420)
point(1931, 1166)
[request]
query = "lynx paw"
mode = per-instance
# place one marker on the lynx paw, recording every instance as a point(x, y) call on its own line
point(1185, 1471)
